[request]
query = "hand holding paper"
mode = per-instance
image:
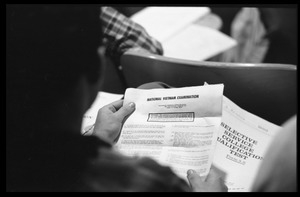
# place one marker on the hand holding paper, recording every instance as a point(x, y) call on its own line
point(110, 119)
point(192, 128)
point(177, 127)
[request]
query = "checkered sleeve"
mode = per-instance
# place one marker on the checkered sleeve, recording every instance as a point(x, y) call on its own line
point(122, 34)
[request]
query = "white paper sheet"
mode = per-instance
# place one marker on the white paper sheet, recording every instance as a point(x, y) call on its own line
point(162, 22)
point(197, 43)
point(177, 127)
point(242, 142)
point(180, 35)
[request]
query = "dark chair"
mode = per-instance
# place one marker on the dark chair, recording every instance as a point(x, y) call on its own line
point(266, 90)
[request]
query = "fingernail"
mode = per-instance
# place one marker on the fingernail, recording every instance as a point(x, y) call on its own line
point(132, 105)
point(189, 172)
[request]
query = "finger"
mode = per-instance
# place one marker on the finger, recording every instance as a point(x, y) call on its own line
point(193, 178)
point(219, 171)
point(125, 110)
point(112, 107)
point(217, 177)
point(116, 105)
point(214, 175)
point(194, 173)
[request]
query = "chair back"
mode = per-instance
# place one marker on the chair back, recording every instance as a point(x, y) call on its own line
point(266, 90)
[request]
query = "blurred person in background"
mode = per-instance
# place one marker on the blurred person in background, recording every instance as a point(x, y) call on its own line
point(267, 34)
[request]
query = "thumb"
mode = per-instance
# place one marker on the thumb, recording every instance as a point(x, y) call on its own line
point(215, 174)
point(194, 179)
point(125, 110)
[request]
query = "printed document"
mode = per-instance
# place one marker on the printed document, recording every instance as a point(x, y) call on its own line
point(241, 145)
point(177, 127)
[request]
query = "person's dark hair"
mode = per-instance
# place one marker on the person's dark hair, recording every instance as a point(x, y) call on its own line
point(49, 46)
point(48, 49)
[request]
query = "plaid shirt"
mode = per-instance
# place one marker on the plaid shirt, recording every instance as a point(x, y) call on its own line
point(122, 34)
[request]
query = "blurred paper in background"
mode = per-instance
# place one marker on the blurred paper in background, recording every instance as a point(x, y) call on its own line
point(180, 35)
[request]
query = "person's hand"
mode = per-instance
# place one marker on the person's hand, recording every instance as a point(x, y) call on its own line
point(110, 119)
point(212, 183)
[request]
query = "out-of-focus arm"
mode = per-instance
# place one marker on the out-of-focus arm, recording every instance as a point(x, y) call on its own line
point(278, 171)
